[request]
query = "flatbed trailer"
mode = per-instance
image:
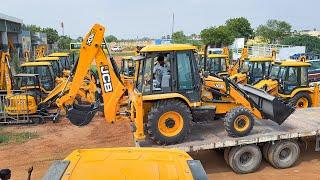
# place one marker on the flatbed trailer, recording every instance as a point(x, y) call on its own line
point(273, 141)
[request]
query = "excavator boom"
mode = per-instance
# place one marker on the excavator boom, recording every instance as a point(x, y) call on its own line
point(111, 85)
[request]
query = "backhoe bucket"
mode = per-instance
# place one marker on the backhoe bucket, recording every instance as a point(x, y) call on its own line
point(81, 115)
point(271, 107)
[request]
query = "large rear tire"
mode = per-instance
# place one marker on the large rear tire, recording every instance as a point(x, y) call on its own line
point(301, 100)
point(245, 159)
point(238, 122)
point(169, 122)
point(283, 154)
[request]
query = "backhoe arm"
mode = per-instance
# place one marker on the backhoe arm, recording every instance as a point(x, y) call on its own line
point(5, 73)
point(234, 69)
point(111, 86)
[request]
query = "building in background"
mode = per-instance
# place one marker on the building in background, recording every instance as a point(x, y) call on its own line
point(10, 31)
point(314, 32)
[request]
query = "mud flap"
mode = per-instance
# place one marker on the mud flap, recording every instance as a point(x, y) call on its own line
point(81, 115)
point(271, 107)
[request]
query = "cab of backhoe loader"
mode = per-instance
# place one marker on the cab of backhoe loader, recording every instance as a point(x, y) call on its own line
point(290, 79)
point(127, 66)
point(64, 58)
point(168, 69)
point(55, 63)
point(45, 72)
point(26, 95)
point(218, 64)
point(253, 70)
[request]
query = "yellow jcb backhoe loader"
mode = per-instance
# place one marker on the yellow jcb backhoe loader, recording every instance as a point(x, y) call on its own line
point(289, 80)
point(169, 94)
point(29, 95)
point(254, 69)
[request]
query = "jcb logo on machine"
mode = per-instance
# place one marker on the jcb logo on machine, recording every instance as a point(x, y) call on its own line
point(105, 73)
point(90, 38)
point(219, 86)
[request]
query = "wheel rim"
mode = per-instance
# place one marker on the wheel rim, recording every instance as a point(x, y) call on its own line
point(245, 158)
point(302, 103)
point(170, 124)
point(241, 123)
point(284, 153)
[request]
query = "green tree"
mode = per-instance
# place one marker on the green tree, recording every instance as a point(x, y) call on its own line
point(32, 28)
point(52, 35)
point(240, 27)
point(64, 42)
point(111, 38)
point(274, 30)
point(312, 43)
point(179, 37)
point(217, 36)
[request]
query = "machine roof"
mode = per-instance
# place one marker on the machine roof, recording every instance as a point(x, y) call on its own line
point(167, 47)
point(47, 59)
point(35, 64)
point(59, 54)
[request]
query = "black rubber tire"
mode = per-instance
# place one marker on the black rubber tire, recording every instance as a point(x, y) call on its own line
point(226, 155)
point(293, 101)
point(265, 150)
point(275, 150)
point(231, 116)
point(255, 157)
point(157, 110)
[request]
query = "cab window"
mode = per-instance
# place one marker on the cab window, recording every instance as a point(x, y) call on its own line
point(161, 72)
point(217, 65)
point(147, 76)
point(185, 79)
point(304, 76)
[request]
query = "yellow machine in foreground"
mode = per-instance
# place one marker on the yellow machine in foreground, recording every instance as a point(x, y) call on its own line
point(168, 94)
point(127, 163)
point(254, 69)
point(289, 80)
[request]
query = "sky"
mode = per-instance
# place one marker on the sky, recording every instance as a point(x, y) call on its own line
point(153, 18)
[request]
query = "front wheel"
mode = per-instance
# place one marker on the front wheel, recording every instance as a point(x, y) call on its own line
point(301, 100)
point(169, 122)
point(238, 122)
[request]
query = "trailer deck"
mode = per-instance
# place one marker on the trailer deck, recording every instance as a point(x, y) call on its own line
point(212, 135)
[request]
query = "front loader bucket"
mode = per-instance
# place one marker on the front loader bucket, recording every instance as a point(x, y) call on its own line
point(81, 115)
point(271, 107)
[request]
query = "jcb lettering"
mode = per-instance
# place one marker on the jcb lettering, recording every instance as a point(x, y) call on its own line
point(106, 79)
point(90, 39)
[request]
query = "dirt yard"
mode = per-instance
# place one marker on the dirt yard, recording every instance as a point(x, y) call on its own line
point(56, 141)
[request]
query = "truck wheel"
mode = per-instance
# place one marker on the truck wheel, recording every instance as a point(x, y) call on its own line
point(301, 100)
point(265, 150)
point(238, 122)
point(245, 159)
point(226, 155)
point(169, 122)
point(283, 154)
